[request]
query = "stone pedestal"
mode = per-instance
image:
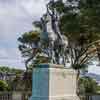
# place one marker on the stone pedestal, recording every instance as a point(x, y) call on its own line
point(53, 82)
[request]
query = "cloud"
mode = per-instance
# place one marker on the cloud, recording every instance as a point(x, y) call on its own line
point(11, 57)
point(13, 21)
point(12, 63)
point(16, 17)
point(10, 53)
point(34, 7)
point(3, 53)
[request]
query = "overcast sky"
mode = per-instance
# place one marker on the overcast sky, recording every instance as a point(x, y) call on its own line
point(16, 17)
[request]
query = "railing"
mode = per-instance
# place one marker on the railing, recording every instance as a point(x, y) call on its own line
point(26, 96)
point(5, 96)
point(15, 95)
point(90, 97)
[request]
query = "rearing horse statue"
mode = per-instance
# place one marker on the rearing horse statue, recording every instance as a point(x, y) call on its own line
point(51, 38)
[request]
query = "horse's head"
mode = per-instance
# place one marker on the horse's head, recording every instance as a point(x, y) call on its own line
point(63, 41)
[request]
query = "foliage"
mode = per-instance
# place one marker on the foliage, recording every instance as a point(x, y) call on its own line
point(4, 86)
point(27, 44)
point(9, 85)
point(98, 89)
point(87, 85)
point(29, 37)
point(6, 69)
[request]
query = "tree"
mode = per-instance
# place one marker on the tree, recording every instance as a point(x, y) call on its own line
point(28, 43)
point(77, 22)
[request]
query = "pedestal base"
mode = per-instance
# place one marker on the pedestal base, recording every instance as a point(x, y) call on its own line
point(53, 82)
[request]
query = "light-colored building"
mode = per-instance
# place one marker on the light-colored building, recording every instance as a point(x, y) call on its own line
point(7, 76)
